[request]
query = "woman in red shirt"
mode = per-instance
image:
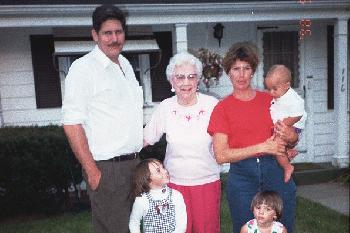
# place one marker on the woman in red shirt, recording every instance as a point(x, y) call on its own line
point(241, 127)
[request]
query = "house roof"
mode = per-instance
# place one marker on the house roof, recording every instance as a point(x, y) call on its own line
point(118, 2)
point(67, 13)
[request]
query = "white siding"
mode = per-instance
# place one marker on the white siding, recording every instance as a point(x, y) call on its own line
point(323, 119)
point(17, 90)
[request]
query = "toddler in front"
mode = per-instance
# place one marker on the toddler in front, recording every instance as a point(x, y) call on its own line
point(161, 209)
point(286, 106)
point(267, 208)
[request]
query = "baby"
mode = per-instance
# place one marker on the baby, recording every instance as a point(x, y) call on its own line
point(286, 106)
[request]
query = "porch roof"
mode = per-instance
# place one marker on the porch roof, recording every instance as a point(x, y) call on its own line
point(118, 2)
point(72, 13)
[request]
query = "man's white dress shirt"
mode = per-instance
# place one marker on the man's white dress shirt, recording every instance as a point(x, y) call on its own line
point(107, 101)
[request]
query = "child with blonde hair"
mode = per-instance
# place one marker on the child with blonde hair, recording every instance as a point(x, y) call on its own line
point(161, 209)
point(267, 208)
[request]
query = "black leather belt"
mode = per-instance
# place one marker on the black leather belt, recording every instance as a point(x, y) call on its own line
point(124, 157)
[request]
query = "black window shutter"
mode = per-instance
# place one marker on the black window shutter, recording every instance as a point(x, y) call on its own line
point(330, 67)
point(46, 77)
point(160, 85)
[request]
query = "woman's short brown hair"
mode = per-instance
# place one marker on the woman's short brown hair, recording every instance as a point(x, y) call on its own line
point(269, 198)
point(244, 51)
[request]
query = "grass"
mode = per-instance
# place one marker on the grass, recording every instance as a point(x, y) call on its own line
point(67, 223)
point(315, 218)
point(311, 218)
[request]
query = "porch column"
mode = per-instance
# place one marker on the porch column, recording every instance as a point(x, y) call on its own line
point(181, 37)
point(341, 155)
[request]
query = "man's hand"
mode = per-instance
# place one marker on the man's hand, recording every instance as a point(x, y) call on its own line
point(79, 144)
point(94, 177)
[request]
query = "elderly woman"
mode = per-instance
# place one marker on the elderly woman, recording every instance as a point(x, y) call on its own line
point(189, 154)
point(241, 126)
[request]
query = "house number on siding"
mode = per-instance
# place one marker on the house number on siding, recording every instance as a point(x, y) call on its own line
point(342, 88)
point(304, 24)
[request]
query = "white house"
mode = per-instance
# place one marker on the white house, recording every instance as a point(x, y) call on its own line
point(39, 40)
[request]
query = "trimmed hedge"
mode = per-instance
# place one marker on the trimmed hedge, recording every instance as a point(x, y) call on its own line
point(36, 168)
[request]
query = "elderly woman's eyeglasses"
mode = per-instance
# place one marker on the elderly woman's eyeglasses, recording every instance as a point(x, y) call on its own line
point(182, 77)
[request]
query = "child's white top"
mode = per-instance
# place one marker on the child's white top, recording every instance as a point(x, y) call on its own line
point(289, 105)
point(277, 227)
point(141, 205)
point(189, 156)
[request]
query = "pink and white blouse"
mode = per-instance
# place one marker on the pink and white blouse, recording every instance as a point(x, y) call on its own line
point(189, 156)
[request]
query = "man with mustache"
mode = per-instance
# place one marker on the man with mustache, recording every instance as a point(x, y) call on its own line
point(102, 118)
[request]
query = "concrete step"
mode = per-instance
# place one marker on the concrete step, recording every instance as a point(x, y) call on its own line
point(315, 173)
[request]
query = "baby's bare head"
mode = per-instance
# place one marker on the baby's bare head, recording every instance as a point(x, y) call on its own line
point(279, 72)
point(278, 80)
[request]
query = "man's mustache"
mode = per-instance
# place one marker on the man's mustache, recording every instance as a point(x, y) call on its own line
point(114, 44)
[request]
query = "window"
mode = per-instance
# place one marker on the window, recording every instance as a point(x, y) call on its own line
point(141, 66)
point(149, 70)
point(281, 47)
point(148, 57)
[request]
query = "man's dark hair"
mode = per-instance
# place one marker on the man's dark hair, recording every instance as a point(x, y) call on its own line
point(106, 12)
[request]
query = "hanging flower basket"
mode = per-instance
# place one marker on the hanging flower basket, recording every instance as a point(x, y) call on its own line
point(212, 67)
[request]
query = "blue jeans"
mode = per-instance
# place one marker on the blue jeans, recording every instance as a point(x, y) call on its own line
point(249, 176)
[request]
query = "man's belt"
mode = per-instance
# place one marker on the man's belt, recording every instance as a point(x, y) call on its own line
point(124, 157)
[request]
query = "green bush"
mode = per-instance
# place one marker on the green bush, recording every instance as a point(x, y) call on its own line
point(36, 168)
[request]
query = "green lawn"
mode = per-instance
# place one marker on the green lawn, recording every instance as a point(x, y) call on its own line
point(68, 223)
point(311, 218)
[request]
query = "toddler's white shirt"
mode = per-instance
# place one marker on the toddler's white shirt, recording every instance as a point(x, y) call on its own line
point(289, 105)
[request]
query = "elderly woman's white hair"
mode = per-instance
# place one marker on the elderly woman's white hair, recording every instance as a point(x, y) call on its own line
point(183, 58)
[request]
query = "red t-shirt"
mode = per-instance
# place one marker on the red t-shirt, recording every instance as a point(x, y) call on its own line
point(245, 122)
